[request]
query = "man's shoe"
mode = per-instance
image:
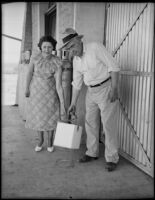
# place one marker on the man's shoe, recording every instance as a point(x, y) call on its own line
point(110, 166)
point(87, 158)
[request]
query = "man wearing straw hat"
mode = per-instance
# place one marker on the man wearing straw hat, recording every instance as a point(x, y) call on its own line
point(95, 66)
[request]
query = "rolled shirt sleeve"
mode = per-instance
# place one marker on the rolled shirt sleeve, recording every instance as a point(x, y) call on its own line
point(77, 75)
point(104, 55)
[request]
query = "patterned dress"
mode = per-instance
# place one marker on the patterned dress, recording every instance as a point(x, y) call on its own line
point(43, 104)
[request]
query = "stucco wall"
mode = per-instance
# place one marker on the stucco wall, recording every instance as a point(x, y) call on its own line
point(87, 19)
point(38, 22)
point(27, 29)
point(35, 24)
point(90, 21)
point(65, 17)
point(42, 10)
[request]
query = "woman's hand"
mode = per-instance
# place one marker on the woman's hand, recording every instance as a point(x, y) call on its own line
point(27, 93)
point(63, 113)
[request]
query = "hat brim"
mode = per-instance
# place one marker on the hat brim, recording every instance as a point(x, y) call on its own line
point(78, 36)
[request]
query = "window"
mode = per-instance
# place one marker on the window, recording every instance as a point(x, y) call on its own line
point(50, 21)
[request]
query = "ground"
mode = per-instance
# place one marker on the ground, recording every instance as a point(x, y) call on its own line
point(30, 174)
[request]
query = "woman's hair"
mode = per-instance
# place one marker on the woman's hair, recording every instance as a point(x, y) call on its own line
point(47, 38)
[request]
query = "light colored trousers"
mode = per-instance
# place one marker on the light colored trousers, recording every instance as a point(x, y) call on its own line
point(97, 104)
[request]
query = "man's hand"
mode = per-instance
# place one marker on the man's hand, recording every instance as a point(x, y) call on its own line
point(72, 112)
point(113, 95)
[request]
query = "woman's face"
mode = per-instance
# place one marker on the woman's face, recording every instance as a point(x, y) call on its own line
point(46, 48)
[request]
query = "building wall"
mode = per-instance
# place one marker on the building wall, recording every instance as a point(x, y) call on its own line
point(130, 37)
point(38, 22)
point(43, 6)
point(65, 18)
point(87, 19)
point(90, 21)
point(27, 29)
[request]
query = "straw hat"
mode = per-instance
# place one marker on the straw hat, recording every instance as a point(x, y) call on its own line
point(70, 35)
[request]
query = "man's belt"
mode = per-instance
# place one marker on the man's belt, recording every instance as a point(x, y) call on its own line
point(100, 83)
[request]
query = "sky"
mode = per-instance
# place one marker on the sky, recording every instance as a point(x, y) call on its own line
point(12, 24)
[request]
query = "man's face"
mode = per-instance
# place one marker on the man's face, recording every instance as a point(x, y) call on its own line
point(74, 48)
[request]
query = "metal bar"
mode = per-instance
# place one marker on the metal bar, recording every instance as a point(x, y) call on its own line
point(121, 130)
point(152, 124)
point(126, 85)
point(138, 88)
point(112, 27)
point(146, 169)
point(129, 113)
point(147, 90)
point(11, 37)
point(136, 113)
point(134, 58)
point(133, 111)
point(108, 42)
point(130, 64)
point(105, 24)
point(136, 42)
point(142, 83)
point(136, 73)
point(137, 80)
point(150, 139)
point(151, 36)
point(140, 114)
point(117, 23)
point(143, 122)
point(130, 28)
point(134, 134)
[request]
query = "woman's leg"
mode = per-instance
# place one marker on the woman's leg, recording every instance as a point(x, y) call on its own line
point(50, 138)
point(41, 138)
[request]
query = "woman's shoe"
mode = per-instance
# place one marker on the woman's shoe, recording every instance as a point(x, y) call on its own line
point(50, 149)
point(37, 148)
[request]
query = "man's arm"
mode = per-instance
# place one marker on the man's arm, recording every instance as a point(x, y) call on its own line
point(113, 95)
point(72, 107)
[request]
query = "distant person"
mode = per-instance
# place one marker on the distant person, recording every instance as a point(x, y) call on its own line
point(44, 88)
point(95, 66)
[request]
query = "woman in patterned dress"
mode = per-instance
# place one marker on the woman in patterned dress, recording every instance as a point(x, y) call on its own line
point(44, 89)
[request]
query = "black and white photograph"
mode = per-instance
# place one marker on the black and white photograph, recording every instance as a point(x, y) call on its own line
point(77, 100)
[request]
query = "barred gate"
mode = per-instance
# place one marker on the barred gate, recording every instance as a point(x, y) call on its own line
point(130, 37)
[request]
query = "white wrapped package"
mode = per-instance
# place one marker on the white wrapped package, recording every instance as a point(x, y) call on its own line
point(68, 135)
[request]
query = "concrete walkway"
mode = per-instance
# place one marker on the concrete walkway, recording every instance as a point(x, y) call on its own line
point(30, 174)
